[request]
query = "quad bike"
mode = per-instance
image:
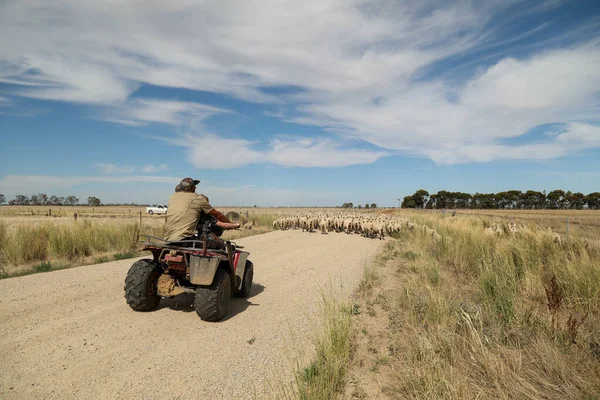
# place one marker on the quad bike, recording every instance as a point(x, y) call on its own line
point(189, 266)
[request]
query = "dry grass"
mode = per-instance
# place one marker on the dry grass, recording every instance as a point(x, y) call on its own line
point(584, 223)
point(29, 243)
point(324, 378)
point(515, 316)
point(68, 211)
point(133, 211)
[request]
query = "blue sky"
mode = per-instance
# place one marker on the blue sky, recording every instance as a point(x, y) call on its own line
point(298, 103)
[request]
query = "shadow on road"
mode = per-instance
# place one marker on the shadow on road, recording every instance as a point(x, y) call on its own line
point(239, 305)
point(185, 302)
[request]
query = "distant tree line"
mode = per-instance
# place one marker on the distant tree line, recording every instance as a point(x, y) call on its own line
point(351, 205)
point(43, 199)
point(512, 199)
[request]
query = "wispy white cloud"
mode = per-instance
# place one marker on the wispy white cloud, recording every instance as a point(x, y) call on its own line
point(114, 169)
point(155, 168)
point(557, 80)
point(209, 151)
point(318, 152)
point(129, 169)
point(575, 137)
point(358, 67)
point(141, 111)
point(122, 121)
point(212, 152)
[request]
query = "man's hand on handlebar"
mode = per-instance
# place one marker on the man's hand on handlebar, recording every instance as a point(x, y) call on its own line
point(227, 225)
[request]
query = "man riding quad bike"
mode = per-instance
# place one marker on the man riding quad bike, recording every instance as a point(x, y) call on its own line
point(201, 264)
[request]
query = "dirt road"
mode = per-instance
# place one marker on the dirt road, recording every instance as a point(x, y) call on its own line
point(69, 334)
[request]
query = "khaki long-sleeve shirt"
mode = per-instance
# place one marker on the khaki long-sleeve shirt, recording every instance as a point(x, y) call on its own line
point(183, 213)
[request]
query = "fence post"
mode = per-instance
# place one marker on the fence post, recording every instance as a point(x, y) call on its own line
point(140, 220)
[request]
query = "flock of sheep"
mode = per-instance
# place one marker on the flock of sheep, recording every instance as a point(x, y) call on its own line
point(378, 226)
point(498, 229)
point(374, 226)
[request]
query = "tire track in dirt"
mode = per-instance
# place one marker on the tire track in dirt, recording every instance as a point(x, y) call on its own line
point(69, 334)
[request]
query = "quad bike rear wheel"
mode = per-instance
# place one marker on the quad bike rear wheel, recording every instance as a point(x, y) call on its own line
point(141, 285)
point(212, 302)
point(247, 281)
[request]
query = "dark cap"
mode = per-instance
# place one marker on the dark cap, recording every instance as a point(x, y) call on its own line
point(187, 183)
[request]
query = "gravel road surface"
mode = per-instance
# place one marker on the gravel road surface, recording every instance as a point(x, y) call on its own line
point(70, 335)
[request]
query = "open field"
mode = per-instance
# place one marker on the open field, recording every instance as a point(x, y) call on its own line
point(127, 211)
point(30, 236)
point(582, 223)
point(462, 313)
point(31, 241)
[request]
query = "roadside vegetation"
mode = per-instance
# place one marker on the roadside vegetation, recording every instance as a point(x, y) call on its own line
point(325, 376)
point(32, 244)
point(27, 248)
point(469, 316)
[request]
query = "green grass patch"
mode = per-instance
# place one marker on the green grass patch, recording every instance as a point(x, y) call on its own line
point(324, 377)
point(101, 260)
point(410, 255)
point(126, 255)
point(433, 275)
point(3, 235)
point(43, 267)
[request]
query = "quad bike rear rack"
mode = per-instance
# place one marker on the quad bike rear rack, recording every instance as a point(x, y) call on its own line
point(191, 245)
point(159, 247)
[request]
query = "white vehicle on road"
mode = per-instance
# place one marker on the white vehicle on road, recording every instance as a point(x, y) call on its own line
point(158, 209)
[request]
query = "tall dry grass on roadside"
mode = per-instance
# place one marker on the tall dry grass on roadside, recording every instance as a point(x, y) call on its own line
point(25, 241)
point(258, 219)
point(325, 376)
point(260, 223)
point(3, 240)
point(65, 241)
point(504, 316)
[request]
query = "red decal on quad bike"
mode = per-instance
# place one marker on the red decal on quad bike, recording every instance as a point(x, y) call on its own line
point(235, 260)
point(177, 259)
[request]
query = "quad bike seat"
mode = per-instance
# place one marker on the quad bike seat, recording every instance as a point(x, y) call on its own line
point(196, 242)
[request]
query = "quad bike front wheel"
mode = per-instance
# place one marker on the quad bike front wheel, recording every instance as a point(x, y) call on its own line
point(141, 285)
point(247, 281)
point(212, 302)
